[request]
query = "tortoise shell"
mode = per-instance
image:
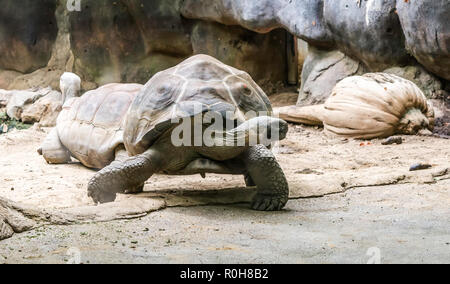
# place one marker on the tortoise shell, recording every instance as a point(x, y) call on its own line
point(376, 105)
point(197, 85)
point(91, 126)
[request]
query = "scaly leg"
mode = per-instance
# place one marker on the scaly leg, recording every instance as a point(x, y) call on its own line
point(120, 176)
point(263, 168)
point(53, 150)
point(121, 156)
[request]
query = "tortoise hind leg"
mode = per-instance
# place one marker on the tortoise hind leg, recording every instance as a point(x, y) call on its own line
point(271, 183)
point(120, 176)
point(53, 150)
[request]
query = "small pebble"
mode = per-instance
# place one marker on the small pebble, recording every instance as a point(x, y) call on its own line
point(419, 166)
point(392, 140)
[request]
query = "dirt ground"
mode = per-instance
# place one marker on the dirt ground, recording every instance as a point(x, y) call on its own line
point(315, 165)
point(383, 224)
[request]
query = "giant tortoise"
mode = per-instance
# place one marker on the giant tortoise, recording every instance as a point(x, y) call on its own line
point(198, 88)
point(375, 105)
point(90, 127)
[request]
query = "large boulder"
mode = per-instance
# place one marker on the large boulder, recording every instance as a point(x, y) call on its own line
point(322, 70)
point(244, 50)
point(45, 110)
point(123, 41)
point(61, 59)
point(7, 78)
point(427, 31)
point(130, 41)
point(28, 30)
point(371, 31)
point(430, 85)
point(20, 99)
point(259, 16)
point(120, 41)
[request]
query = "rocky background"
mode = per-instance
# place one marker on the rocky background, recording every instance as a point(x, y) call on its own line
point(130, 40)
point(122, 41)
point(348, 36)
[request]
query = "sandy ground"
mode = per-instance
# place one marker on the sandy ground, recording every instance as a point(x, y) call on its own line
point(385, 224)
point(315, 165)
point(368, 185)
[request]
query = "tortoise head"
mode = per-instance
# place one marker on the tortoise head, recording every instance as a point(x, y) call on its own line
point(269, 129)
point(70, 85)
point(415, 122)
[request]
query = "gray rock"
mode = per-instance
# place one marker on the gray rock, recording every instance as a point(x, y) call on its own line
point(5, 96)
point(5, 230)
point(130, 41)
point(45, 110)
point(392, 140)
point(259, 16)
point(427, 32)
point(430, 85)
point(370, 31)
point(20, 99)
point(305, 19)
point(322, 70)
point(442, 117)
point(16, 219)
point(27, 33)
point(419, 166)
point(244, 50)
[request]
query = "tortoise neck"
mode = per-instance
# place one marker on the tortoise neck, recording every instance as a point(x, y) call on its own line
point(69, 91)
point(245, 134)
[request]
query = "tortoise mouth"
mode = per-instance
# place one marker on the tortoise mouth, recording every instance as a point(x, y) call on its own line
point(284, 129)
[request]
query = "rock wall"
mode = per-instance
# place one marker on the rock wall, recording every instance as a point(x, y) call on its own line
point(379, 33)
point(27, 32)
point(131, 40)
point(123, 41)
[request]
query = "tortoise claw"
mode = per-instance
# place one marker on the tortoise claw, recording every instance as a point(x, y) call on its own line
point(267, 203)
point(136, 190)
point(100, 196)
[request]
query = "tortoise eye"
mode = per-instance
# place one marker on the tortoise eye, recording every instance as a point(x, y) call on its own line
point(162, 90)
point(246, 90)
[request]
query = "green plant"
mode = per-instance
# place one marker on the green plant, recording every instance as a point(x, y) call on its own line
point(11, 123)
point(3, 117)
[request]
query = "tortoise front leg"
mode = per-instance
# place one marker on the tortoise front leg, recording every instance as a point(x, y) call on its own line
point(121, 155)
point(119, 177)
point(266, 173)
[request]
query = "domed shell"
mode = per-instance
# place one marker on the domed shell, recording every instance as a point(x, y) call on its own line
point(198, 84)
point(376, 105)
point(91, 126)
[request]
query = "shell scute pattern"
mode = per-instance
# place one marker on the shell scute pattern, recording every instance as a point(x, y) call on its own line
point(199, 84)
point(91, 126)
point(373, 105)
